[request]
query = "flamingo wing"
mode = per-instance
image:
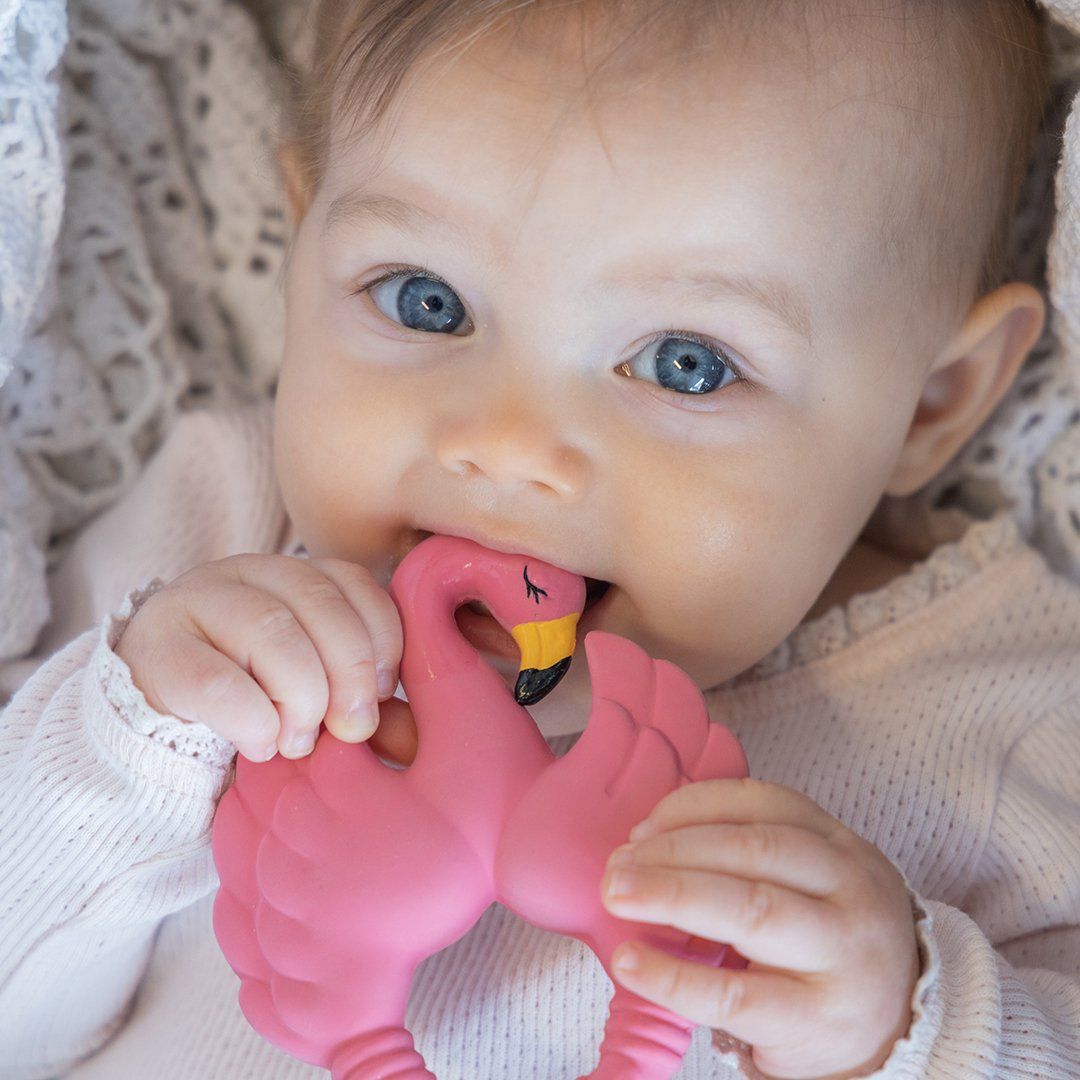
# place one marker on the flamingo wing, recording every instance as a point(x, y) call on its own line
point(338, 876)
point(634, 697)
point(241, 824)
point(648, 733)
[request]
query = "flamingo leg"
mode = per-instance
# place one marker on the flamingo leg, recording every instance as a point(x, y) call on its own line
point(379, 1054)
point(642, 1040)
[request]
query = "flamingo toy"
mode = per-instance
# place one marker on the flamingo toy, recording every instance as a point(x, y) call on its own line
point(340, 873)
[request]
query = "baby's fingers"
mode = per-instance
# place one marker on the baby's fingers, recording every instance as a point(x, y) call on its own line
point(255, 614)
point(757, 1006)
point(284, 659)
point(313, 628)
point(202, 684)
point(768, 924)
point(363, 665)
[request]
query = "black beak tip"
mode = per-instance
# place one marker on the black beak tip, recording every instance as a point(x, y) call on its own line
point(534, 684)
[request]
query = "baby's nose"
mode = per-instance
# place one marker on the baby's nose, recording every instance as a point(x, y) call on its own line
point(511, 451)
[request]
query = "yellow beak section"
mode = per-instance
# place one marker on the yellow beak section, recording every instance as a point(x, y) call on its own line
point(546, 650)
point(544, 644)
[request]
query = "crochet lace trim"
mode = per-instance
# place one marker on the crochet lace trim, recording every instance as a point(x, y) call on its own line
point(948, 566)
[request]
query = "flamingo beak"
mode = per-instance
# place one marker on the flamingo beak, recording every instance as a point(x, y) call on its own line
point(546, 650)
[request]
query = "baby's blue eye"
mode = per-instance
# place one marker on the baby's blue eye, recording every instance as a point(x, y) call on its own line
point(688, 366)
point(422, 303)
point(683, 364)
point(681, 361)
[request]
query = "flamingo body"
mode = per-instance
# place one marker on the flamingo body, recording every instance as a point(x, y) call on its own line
point(340, 874)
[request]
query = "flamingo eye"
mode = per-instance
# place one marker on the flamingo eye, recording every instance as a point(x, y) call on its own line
point(531, 589)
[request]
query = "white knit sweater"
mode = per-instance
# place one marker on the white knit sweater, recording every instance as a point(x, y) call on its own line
point(938, 716)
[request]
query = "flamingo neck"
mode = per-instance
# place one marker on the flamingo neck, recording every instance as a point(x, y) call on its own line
point(435, 653)
point(478, 748)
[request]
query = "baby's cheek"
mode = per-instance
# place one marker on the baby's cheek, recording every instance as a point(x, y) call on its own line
point(718, 588)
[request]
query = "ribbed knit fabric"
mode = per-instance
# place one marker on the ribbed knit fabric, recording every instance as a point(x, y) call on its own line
point(938, 717)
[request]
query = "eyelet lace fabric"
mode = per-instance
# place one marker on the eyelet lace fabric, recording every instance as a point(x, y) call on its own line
point(142, 233)
point(143, 229)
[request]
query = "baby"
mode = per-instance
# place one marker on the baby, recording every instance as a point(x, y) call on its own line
point(672, 295)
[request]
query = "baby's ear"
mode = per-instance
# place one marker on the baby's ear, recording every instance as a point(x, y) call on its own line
point(967, 380)
point(290, 161)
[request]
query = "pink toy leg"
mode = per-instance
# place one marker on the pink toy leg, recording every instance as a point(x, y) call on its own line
point(383, 1054)
point(383, 1050)
point(642, 1040)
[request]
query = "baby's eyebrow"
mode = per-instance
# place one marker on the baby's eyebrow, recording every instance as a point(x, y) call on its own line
point(359, 205)
point(777, 297)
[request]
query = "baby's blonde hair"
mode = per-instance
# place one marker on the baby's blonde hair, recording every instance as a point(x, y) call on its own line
point(949, 228)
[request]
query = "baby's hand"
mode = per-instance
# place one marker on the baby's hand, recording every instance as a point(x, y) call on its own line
point(264, 648)
point(823, 917)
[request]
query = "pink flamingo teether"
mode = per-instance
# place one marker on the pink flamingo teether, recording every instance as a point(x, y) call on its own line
point(340, 873)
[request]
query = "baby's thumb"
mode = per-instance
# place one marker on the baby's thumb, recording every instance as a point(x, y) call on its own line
point(395, 738)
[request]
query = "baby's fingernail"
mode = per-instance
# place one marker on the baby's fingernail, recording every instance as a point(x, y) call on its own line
point(623, 881)
point(384, 679)
point(299, 745)
point(267, 752)
point(361, 720)
point(642, 829)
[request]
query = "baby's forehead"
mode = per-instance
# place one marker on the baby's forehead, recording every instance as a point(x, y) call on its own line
point(880, 90)
point(772, 89)
point(843, 63)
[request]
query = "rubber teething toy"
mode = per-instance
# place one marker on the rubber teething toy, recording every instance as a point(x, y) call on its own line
point(340, 873)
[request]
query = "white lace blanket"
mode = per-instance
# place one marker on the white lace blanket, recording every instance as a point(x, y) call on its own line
point(142, 229)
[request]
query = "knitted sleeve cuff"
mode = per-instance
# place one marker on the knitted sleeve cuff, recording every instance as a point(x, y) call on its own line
point(185, 755)
point(911, 1052)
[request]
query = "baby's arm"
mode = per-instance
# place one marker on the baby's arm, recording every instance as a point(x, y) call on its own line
point(1005, 998)
point(105, 805)
point(104, 832)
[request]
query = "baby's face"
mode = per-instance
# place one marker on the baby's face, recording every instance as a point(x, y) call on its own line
point(658, 349)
